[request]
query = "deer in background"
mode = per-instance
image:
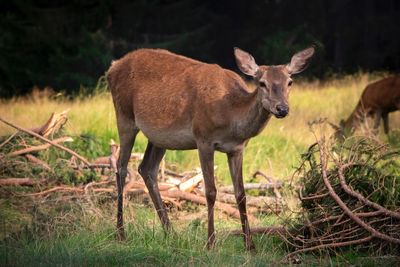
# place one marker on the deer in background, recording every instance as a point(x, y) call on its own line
point(180, 103)
point(377, 100)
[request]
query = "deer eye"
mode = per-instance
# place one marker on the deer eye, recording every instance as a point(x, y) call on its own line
point(290, 83)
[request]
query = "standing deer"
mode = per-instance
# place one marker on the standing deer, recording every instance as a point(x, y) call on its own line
point(377, 100)
point(180, 103)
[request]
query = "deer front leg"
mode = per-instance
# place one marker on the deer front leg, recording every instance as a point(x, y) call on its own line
point(235, 161)
point(206, 156)
point(385, 119)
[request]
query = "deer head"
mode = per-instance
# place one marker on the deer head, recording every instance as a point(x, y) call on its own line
point(273, 82)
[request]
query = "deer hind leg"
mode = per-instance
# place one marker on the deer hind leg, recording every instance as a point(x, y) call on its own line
point(385, 118)
point(148, 169)
point(235, 161)
point(206, 156)
point(378, 116)
point(127, 131)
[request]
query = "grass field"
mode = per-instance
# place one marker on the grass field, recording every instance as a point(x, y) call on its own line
point(54, 234)
point(276, 151)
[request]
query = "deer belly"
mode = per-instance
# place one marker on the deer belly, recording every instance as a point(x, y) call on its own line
point(174, 139)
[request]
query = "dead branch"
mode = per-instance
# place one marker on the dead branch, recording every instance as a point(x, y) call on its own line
point(352, 193)
point(18, 181)
point(56, 189)
point(53, 124)
point(106, 160)
point(37, 161)
point(331, 245)
point(202, 200)
point(190, 184)
point(259, 202)
point(114, 156)
point(85, 161)
point(248, 186)
point(8, 139)
point(271, 180)
point(343, 206)
point(270, 230)
point(40, 147)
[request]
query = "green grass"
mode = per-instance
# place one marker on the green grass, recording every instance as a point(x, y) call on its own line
point(58, 238)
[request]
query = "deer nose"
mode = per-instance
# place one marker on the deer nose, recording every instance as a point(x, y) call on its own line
point(282, 110)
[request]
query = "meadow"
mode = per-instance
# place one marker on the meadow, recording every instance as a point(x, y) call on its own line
point(76, 235)
point(276, 151)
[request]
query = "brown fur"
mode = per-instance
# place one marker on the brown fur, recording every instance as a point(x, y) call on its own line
point(377, 100)
point(181, 103)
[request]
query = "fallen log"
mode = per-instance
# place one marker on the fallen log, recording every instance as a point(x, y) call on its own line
point(40, 147)
point(248, 186)
point(18, 181)
point(190, 184)
point(228, 209)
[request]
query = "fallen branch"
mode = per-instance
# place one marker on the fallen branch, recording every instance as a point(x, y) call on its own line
point(53, 124)
point(106, 160)
point(190, 184)
point(18, 181)
point(270, 230)
point(202, 200)
point(56, 189)
point(343, 206)
point(85, 161)
point(8, 139)
point(252, 201)
point(37, 161)
point(352, 193)
point(271, 180)
point(40, 147)
point(248, 186)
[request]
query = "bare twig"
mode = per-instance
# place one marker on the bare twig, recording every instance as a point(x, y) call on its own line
point(40, 147)
point(85, 161)
point(8, 139)
point(37, 161)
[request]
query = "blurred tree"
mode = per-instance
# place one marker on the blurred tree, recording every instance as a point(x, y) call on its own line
point(66, 44)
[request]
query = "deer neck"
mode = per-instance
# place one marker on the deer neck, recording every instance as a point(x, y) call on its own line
point(254, 116)
point(355, 118)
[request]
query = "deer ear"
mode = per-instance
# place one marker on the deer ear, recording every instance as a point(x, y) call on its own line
point(245, 62)
point(300, 60)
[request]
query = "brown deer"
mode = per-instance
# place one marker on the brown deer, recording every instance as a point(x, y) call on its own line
point(377, 100)
point(180, 103)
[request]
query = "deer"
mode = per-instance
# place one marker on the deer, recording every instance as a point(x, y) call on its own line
point(180, 104)
point(377, 101)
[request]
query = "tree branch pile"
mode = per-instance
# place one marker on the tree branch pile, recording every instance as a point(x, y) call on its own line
point(48, 166)
point(350, 197)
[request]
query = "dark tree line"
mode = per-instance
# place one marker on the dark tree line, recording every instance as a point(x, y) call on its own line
point(65, 44)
